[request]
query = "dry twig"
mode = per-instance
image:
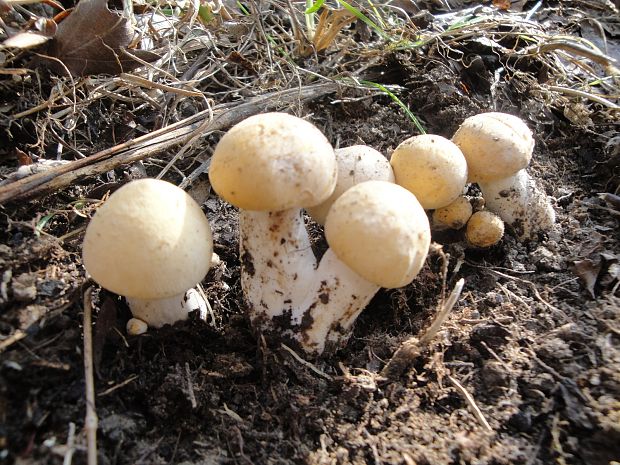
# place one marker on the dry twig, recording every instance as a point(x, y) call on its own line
point(472, 403)
point(412, 347)
point(306, 363)
point(158, 141)
point(90, 423)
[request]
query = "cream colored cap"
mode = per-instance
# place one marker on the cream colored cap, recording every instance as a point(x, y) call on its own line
point(454, 215)
point(380, 231)
point(356, 164)
point(484, 229)
point(496, 145)
point(431, 167)
point(273, 162)
point(149, 240)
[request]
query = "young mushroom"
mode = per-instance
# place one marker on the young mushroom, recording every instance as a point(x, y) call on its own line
point(378, 236)
point(151, 243)
point(498, 148)
point(454, 215)
point(356, 164)
point(432, 168)
point(271, 166)
point(484, 229)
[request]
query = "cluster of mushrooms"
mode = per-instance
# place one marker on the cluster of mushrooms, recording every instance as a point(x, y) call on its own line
point(151, 243)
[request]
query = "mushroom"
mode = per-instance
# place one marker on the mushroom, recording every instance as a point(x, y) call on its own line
point(150, 242)
point(498, 148)
point(432, 168)
point(454, 215)
point(356, 164)
point(378, 236)
point(484, 229)
point(271, 166)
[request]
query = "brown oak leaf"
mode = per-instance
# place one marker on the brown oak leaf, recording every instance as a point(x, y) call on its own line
point(92, 40)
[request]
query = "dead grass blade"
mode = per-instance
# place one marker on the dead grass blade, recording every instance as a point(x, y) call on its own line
point(158, 141)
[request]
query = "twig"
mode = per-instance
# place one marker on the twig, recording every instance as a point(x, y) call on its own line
point(306, 363)
point(571, 47)
point(472, 404)
point(586, 95)
point(443, 313)
point(156, 85)
point(412, 347)
point(90, 423)
point(117, 386)
point(190, 386)
point(12, 339)
point(158, 141)
point(70, 445)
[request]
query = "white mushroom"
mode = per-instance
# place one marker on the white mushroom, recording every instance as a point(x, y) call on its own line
point(378, 236)
point(519, 201)
point(454, 215)
point(431, 167)
point(484, 229)
point(271, 166)
point(150, 242)
point(498, 148)
point(356, 164)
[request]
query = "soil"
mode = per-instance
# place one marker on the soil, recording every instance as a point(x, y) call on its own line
point(534, 339)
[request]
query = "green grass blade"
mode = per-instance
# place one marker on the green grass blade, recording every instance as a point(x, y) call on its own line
point(398, 101)
point(362, 17)
point(313, 7)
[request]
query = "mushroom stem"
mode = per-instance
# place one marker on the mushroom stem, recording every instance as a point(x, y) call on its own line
point(519, 202)
point(159, 312)
point(277, 261)
point(335, 298)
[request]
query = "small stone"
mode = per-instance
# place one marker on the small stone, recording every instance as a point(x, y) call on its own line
point(24, 287)
point(546, 260)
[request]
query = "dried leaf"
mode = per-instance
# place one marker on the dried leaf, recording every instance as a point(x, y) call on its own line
point(25, 40)
point(501, 4)
point(22, 157)
point(46, 26)
point(588, 271)
point(91, 40)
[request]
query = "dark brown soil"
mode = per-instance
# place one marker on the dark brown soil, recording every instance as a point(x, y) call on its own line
point(535, 338)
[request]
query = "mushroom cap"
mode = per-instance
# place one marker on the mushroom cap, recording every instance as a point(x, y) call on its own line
point(455, 215)
point(380, 231)
point(356, 164)
point(273, 162)
point(149, 240)
point(432, 167)
point(496, 145)
point(484, 229)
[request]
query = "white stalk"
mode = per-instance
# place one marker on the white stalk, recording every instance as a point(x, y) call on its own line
point(159, 312)
point(519, 202)
point(334, 299)
point(277, 261)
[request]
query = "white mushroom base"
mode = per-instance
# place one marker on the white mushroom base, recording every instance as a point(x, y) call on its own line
point(160, 312)
point(277, 262)
point(520, 203)
point(335, 298)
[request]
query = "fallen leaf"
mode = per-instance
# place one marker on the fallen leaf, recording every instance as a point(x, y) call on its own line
point(588, 271)
point(92, 40)
point(501, 4)
point(22, 157)
point(46, 26)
